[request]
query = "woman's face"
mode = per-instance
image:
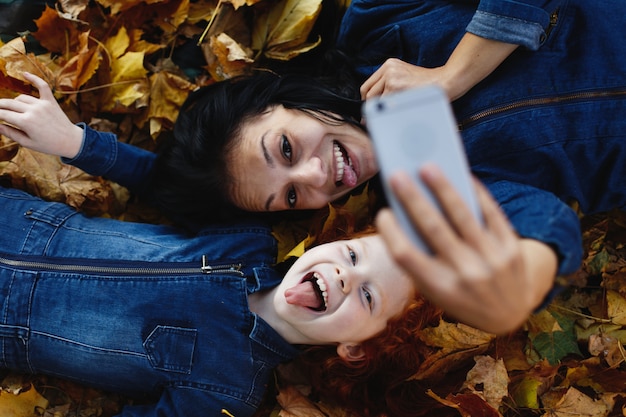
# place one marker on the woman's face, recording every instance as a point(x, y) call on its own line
point(346, 290)
point(286, 159)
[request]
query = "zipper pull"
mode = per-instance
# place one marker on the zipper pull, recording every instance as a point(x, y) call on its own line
point(205, 268)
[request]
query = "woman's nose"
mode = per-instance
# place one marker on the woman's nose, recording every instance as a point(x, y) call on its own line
point(311, 172)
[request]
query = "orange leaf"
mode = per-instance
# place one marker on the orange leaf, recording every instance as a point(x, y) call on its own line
point(14, 61)
point(55, 33)
point(80, 68)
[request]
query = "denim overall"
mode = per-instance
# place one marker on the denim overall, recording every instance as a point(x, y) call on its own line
point(138, 308)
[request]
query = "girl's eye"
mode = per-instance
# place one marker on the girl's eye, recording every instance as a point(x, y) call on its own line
point(291, 198)
point(285, 147)
point(352, 256)
point(368, 297)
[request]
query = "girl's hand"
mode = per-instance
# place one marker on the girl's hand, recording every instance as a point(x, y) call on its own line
point(39, 123)
point(481, 274)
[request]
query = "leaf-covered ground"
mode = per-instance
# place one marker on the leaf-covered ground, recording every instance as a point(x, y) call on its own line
point(126, 67)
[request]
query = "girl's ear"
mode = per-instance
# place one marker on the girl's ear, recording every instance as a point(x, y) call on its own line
point(350, 352)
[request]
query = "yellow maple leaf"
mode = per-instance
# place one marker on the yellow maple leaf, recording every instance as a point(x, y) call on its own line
point(130, 88)
point(117, 45)
point(22, 404)
point(168, 91)
point(282, 32)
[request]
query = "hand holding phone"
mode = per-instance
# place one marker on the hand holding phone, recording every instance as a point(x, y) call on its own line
point(411, 128)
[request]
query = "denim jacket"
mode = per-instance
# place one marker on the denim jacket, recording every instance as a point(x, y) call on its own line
point(548, 126)
point(138, 308)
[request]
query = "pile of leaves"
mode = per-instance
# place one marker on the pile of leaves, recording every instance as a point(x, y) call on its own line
point(112, 63)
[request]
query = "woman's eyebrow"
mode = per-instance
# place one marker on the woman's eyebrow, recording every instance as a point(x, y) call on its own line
point(270, 163)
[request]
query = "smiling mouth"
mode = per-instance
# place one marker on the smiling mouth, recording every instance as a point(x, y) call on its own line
point(345, 173)
point(310, 293)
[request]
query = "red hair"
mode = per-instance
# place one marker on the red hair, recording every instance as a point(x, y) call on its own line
point(378, 384)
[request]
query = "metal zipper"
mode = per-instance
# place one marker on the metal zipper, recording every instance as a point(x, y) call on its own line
point(537, 102)
point(159, 269)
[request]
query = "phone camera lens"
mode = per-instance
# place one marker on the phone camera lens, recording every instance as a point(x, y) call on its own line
point(380, 106)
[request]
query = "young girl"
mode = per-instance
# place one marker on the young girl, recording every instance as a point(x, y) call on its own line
point(199, 322)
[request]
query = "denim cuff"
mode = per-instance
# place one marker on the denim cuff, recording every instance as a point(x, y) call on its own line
point(510, 22)
point(97, 154)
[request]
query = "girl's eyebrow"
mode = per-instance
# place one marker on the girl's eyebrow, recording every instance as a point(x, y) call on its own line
point(270, 163)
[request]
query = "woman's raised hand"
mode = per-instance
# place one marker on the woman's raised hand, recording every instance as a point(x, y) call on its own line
point(481, 273)
point(39, 123)
point(472, 60)
point(396, 75)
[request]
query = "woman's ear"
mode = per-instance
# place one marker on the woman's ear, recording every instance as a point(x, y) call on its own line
point(350, 352)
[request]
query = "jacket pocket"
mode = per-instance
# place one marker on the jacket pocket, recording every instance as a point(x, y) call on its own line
point(171, 348)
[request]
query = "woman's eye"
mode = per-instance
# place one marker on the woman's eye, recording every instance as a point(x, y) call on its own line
point(352, 256)
point(291, 198)
point(285, 147)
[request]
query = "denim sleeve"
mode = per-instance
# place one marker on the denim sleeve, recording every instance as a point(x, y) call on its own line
point(101, 154)
point(540, 215)
point(521, 22)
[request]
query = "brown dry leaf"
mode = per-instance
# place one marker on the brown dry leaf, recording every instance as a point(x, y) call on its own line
point(8, 148)
point(73, 8)
point(608, 348)
point(295, 404)
point(282, 32)
point(438, 364)
point(201, 11)
point(468, 405)
point(238, 3)
point(543, 322)
point(168, 91)
point(227, 57)
point(120, 5)
point(55, 33)
point(46, 177)
point(226, 49)
point(492, 376)
point(137, 44)
point(14, 61)
point(22, 404)
point(575, 403)
point(616, 307)
point(80, 68)
point(455, 336)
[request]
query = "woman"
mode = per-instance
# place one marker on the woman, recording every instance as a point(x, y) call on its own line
point(200, 326)
point(534, 159)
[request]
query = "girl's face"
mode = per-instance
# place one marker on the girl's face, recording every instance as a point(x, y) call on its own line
point(345, 290)
point(286, 159)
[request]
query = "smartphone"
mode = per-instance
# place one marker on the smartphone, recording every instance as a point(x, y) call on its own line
point(413, 127)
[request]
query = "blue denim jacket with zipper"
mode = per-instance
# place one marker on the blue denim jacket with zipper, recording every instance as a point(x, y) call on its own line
point(137, 308)
point(548, 126)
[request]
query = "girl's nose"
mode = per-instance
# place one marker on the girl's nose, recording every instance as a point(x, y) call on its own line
point(344, 280)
